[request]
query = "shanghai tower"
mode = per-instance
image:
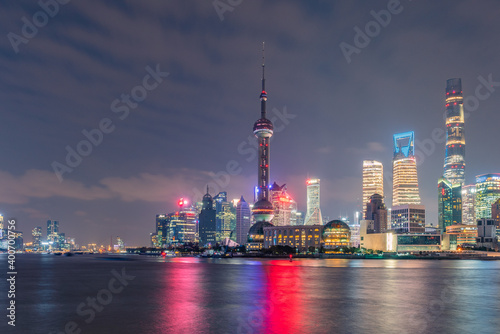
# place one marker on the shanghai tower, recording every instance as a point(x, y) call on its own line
point(454, 161)
point(263, 209)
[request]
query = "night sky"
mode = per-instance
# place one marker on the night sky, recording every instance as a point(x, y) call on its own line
point(329, 114)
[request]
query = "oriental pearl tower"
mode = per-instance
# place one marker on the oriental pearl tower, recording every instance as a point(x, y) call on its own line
point(263, 129)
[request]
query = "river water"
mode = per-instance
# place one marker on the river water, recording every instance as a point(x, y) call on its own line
point(137, 294)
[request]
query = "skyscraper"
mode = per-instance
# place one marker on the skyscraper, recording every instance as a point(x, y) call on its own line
point(242, 221)
point(313, 214)
point(263, 209)
point(285, 207)
point(449, 204)
point(162, 229)
point(373, 181)
point(495, 213)
point(225, 216)
point(404, 170)
point(37, 236)
point(487, 193)
point(207, 221)
point(468, 204)
point(376, 212)
point(454, 161)
point(53, 231)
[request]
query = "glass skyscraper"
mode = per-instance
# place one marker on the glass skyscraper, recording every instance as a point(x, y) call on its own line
point(454, 161)
point(373, 181)
point(207, 221)
point(313, 215)
point(487, 193)
point(284, 206)
point(468, 204)
point(404, 170)
point(449, 204)
point(243, 217)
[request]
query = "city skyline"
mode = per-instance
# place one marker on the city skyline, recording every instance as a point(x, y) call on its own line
point(318, 99)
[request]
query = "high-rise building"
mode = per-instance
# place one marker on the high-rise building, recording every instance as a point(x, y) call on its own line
point(373, 181)
point(53, 231)
point(182, 225)
point(37, 236)
point(409, 218)
point(468, 204)
point(243, 216)
point(404, 171)
point(454, 161)
point(313, 214)
point(449, 204)
point(283, 204)
point(162, 229)
point(207, 221)
point(263, 209)
point(495, 212)
point(225, 216)
point(376, 212)
point(1, 222)
point(487, 193)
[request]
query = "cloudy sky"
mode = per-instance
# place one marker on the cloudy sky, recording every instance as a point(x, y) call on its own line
point(75, 70)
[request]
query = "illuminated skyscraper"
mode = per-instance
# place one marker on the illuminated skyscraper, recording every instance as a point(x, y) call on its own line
point(313, 215)
point(243, 216)
point(207, 221)
point(468, 204)
point(225, 216)
point(182, 224)
point(263, 209)
point(495, 213)
point(487, 193)
point(449, 204)
point(37, 236)
point(373, 181)
point(53, 231)
point(404, 170)
point(285, 207)
point(454, 161)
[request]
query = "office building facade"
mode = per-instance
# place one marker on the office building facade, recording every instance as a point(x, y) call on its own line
point(454, 161)
point(373, 181)
point(487, 193)
point(408, 218)
point(449, 204)
point(405, 189)
point(469, 204)
point(313, 214)
point(207, 221)
point(243, 217)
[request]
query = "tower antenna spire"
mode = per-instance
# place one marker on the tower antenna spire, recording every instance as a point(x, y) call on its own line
point(263, 95)
point(263, 66)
